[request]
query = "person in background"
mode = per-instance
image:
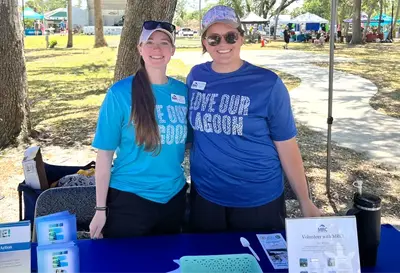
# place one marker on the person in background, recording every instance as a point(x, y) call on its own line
point(62, 27)
point(339, 33)
point(143, 119)
point(286, 37)
point(42, 28)
point(244, 137)
point(36, 26)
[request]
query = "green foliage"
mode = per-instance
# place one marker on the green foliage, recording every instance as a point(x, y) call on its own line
point(297, 11)
point(238, 5)
point(42, 6)
point(318, 7)
point(53, 43)
point(184, 18)
point(29, 23)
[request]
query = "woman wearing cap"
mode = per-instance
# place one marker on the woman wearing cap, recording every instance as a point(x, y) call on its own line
point(244, 137)
point(143, 120)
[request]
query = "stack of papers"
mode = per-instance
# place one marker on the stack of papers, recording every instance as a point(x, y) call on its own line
point(56, 236)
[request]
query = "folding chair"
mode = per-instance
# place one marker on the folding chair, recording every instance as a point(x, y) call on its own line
point(77, 200)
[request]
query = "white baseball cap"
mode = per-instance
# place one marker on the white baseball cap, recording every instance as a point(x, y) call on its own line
point(149, 27)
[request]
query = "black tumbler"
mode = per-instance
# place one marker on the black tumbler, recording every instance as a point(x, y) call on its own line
point(367, 209)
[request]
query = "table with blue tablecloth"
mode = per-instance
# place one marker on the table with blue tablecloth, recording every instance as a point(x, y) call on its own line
point(156, 253)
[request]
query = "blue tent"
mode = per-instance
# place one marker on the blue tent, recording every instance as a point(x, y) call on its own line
point(386, 20)
point(31, 14)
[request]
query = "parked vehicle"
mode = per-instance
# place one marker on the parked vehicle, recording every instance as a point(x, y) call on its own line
point(185, 32)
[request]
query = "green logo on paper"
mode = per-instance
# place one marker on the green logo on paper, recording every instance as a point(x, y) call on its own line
point(5, 233)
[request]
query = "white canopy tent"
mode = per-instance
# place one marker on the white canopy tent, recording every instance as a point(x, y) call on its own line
point(252, 18)
point(283, 19)
point(308, 18)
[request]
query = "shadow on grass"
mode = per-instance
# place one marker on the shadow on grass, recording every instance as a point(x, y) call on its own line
point(71, 132)
point(64, 109)
point(51, 54)
point(347, 167)
point(40, 90)
point(52, 50)
point(76, 70)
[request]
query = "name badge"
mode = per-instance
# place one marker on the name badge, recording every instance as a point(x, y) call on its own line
point(178, 98)
point(199, 85)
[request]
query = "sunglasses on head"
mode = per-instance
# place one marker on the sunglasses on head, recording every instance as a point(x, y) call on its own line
point(215, 39)
point(150, 25)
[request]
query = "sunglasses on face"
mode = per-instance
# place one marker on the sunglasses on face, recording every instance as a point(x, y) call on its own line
point(215, 39)
point(150, 25)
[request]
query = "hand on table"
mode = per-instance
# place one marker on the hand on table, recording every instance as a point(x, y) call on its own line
point(308, 209)
point(97, 224)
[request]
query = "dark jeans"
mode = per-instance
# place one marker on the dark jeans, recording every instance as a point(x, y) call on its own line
point(206, 216)
point(130, 215)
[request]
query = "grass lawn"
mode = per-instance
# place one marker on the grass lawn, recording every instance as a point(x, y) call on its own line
point(67, 86)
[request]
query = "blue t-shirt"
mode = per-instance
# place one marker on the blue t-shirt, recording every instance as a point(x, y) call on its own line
point(236, 117)
point(154, 177)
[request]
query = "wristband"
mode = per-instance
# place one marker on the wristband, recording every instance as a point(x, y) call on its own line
point(100, 208)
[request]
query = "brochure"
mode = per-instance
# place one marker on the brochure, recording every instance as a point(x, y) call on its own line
point(58, 258)
point(275, 247)
point(15, 247)
point(56, 228)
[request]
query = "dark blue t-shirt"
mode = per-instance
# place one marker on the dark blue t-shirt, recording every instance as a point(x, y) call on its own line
point(236, 117)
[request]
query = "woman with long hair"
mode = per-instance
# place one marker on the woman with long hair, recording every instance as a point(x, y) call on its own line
point(244, 137)
point(142, 120)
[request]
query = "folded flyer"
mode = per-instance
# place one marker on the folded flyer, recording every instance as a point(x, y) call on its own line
point(275, 247)
point(15, 247)
point(59, 258)
point(56, 228)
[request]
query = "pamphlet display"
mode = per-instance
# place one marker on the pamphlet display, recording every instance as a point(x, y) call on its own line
point(57, 251)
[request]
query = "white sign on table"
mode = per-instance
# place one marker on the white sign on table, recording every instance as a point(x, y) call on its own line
point(15, 247)
point(323, 245)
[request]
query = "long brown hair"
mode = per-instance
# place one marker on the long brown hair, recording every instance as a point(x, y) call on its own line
point(143, 111)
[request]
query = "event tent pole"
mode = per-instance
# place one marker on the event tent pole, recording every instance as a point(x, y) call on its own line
point(332, 37)
point(391, 23)
point(199, 17)
point(23, 15)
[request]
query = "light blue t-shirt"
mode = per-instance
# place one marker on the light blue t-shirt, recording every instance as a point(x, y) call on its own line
point(236, 117)
point(154, 177)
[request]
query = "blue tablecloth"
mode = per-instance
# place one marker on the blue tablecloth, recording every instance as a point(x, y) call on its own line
point(156, 254)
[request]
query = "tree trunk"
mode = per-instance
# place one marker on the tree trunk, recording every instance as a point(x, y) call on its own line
point(277, 18)
point(396, 29)
point(248, 5)
point(369, 19)
point(70, 30)
point(98, 30)
point(357, 39)
point(137, 12)
point(380, 15)
point(14, 107)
